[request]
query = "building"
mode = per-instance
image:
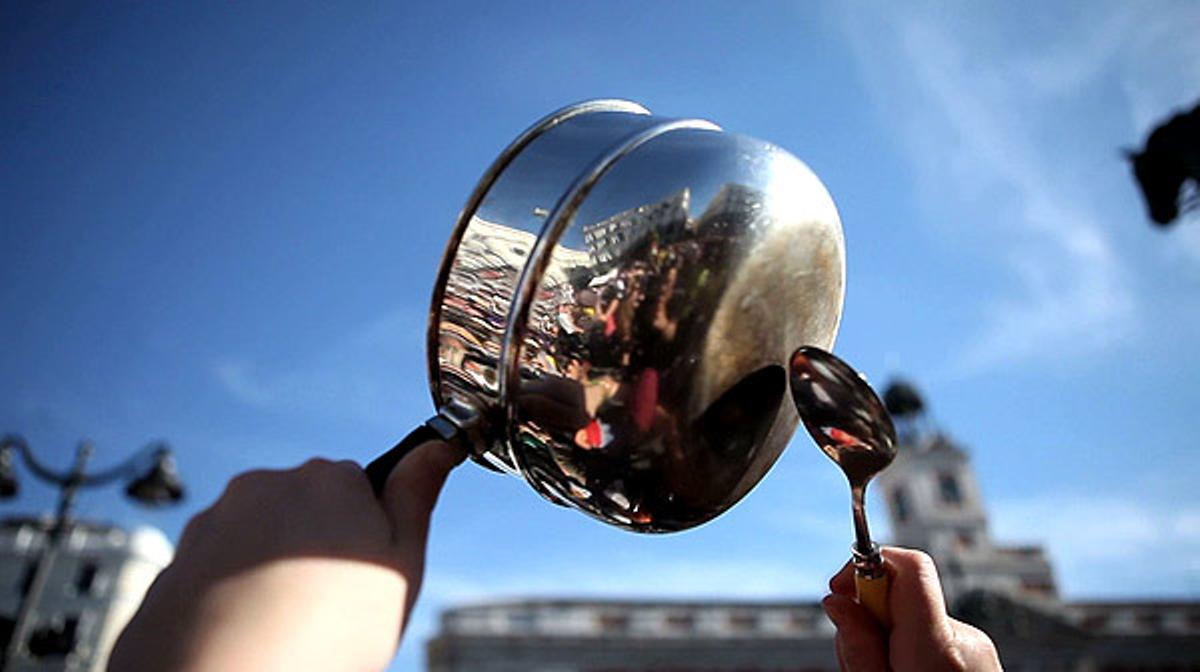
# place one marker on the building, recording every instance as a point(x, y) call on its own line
point(732, 204)
point(935, 504)
point(609, 239)
point(95, 578)
point(621, 636)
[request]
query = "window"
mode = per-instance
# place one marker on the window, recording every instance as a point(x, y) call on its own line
point(949, 490)
point(743, 621)
point(6, 629)
point(54, 641)
point(680, 622)
point(900, 505)
point(614, 623)
point(27, 578)
point(1037, 585)
point(85, 580)
point(1148, 620)
point(1093, 622)
point(521, 619)
point(803, 620)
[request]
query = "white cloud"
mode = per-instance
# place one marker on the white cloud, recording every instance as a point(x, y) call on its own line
point(805, 524)
point(1160, 64)
point(1186, 524)
point(1073, 299)
point(1060, 68)
point(978, 111)
point(358, 377)
point(1185, 240)
point(1109, 546)
point(234, 377)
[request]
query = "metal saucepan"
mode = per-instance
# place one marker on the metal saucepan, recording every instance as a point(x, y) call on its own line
point(615, 310)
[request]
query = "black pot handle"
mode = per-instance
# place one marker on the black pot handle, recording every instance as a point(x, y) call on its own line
point(381, 467)
point(455, 423)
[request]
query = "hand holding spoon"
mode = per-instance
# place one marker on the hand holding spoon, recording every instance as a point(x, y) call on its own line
point(850, 425)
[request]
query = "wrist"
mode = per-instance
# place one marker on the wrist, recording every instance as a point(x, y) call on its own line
point(298, 614)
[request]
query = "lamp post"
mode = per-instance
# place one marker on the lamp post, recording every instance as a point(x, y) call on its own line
point(152, 479)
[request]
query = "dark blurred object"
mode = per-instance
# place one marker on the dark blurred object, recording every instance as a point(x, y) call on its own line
point(155, 480)
point(902, 399)
point(54, 641)
point(8, 476)
point(159, 485)
point(1170, 159)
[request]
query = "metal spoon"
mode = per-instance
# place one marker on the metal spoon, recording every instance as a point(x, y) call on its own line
point(851, 425)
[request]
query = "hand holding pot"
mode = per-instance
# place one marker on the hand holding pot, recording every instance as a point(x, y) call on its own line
point(291, 570)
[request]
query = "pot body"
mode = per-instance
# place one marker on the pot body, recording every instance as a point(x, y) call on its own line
point(617, 305)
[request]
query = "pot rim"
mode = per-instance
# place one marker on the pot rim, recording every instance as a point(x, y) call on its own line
point(482, 187)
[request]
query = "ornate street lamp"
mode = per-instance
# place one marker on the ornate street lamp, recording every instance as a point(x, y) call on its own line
point(152, 479)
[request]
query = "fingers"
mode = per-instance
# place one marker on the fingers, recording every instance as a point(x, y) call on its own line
point(860, 642)
point(974, 649)
point(916, 592)
point(842, 583)
point(413, 486)
point(332, 479)
point(923, 636)
point(408, 498)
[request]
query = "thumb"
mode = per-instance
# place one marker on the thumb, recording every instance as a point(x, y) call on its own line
point(412, 489)
point(860, 642)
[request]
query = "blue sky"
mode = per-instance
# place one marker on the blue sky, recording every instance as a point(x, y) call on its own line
point(219, 226)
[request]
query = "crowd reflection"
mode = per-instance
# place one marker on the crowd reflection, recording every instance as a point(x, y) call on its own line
point(605, 413)
point(607, 422)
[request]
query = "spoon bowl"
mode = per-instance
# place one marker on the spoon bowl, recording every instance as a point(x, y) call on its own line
point(842, 414)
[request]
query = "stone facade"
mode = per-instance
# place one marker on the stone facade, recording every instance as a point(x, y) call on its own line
point(97, 576)
point(616, 636)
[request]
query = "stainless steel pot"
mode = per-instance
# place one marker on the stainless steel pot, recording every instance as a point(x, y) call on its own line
point(615, 311)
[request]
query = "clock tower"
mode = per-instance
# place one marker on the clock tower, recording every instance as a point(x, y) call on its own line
point(935, 504)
